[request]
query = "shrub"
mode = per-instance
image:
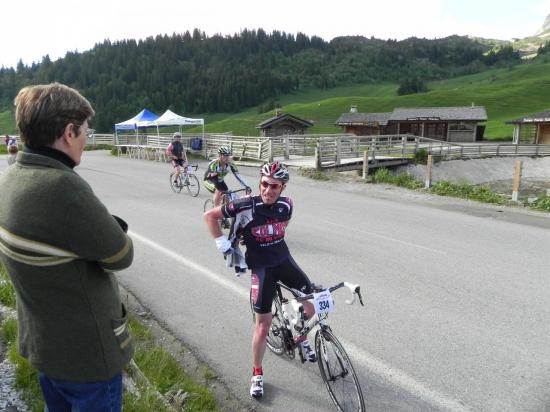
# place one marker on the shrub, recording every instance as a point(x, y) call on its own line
point(421, 156)
point(542, 203)
point(468, 191)
point(383, 175)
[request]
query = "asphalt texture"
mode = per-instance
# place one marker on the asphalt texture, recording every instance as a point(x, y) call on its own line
point(456, 292)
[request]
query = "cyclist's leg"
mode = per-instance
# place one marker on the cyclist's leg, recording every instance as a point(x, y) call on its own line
point(220, 188)
point(179, 163)
point(292, 276)
point(176, 170)
point(262, 291)
point(209, 185)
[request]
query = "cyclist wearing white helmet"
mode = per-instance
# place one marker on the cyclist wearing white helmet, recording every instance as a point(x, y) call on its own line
point(267, 255)
point(216, 171)
point(177, 152)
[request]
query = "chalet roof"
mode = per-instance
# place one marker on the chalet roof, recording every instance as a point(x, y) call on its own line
point(351, 119)
point(476, 113)
point(541, 117)
point(288, 117)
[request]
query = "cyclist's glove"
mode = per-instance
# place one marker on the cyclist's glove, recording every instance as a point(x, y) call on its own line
point(248, 190)
point(223, 244)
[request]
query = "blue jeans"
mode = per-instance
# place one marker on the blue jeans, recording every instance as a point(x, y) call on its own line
point(66, 396)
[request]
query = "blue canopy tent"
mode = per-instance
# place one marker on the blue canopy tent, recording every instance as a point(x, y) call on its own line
point(142, 119)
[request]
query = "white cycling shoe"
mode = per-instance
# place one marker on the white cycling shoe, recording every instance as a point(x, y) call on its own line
point(308, 352)
point(257, 386)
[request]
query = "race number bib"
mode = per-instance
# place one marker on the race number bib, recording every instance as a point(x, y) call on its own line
point(323, 302)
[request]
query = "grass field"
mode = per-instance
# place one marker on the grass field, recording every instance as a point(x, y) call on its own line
point(506, 94)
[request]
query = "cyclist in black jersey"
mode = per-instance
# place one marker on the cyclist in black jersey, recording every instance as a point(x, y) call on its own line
point(267, 255)
point(176, 151)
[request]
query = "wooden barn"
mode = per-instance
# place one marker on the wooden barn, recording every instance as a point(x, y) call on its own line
point(534, 128)
point(451, 124)
point(283, 124)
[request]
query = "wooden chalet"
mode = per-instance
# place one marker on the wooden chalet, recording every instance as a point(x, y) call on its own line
point(283, 124)
point(534, 128)
point(451, 124)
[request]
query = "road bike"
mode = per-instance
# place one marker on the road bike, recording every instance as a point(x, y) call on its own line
point(186, 179)
point(227, 196)
point(289, 328)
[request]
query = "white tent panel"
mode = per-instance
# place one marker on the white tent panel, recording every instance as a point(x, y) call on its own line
point(169, 118)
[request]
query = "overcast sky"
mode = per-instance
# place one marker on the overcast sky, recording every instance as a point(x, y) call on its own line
point(32, 29)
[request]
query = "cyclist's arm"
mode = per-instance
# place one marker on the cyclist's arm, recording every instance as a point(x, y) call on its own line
point(211, 172)
point(239, 177)
point(211, 217)
point(169, 150)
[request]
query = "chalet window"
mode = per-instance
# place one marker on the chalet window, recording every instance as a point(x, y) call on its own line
point(461, 126)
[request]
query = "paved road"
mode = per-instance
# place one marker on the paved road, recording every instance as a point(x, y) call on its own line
point(457, 314)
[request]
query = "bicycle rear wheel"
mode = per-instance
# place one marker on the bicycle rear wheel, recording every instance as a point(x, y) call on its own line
point(175, 185)
point(337, 372)
point(193, 186)
point(208, 204)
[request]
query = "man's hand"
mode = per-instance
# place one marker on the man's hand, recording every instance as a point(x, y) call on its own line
point(223, 244)
point(248, 190)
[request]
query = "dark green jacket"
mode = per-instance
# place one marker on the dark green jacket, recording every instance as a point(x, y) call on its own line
point(59, 245)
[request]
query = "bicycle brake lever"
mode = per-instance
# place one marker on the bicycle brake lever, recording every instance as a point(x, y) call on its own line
point(355, 290)
point(360, 297)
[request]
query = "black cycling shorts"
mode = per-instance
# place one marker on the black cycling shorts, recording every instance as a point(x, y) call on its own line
point(220, 186)
point(264, 280)
point(177, 162)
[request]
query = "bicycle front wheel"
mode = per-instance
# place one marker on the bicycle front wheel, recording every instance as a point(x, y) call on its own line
point(175, 184)
point(193, 186)
point(337, 372)
point(208, 204)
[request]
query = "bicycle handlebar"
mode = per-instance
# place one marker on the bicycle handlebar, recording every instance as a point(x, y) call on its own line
point(194, 167)
point(353, 288)
point(228, 192)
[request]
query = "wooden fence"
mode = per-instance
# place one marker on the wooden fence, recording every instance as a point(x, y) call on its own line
point(330, 150)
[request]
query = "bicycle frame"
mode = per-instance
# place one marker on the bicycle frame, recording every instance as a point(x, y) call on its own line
point(307, 326)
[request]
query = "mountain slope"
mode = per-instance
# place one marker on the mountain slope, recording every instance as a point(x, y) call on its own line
point(506, 94)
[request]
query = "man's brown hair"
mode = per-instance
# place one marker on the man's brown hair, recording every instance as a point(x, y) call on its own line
point(43, 111)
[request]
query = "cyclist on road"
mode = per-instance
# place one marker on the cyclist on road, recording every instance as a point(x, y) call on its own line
point(178, 155)
point(216, 171)
point(267, 256)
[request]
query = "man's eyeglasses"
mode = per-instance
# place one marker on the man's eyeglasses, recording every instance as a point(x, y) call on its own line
point(89, 132)
point(272, 186)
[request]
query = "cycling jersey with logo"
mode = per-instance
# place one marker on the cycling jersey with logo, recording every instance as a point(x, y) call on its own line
point(264, 231)
point(215, 167)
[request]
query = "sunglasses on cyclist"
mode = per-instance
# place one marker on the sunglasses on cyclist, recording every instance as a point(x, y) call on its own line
point(272, 186)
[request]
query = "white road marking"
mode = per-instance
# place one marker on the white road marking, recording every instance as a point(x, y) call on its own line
point(399, 378)
point(366, 232)
point(367, 360)
point(224, 281)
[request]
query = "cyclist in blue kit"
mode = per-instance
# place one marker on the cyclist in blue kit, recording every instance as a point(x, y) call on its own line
point(267, 256)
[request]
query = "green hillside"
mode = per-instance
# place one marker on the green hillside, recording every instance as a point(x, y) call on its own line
point(506, 94)
point(7, 123)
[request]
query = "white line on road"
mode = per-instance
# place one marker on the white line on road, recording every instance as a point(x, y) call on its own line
point(401, 379)
point(220, 280)
point(370, 362)
point(366, 232)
